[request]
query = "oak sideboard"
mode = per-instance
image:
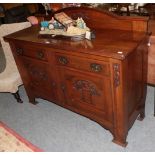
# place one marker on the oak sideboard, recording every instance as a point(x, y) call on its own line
point(103, 79)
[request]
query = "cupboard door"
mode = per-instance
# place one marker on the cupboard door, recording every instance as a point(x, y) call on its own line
point(88, 93)
point(40, 82)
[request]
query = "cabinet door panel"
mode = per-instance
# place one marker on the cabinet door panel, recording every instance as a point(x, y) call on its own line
point(40, 82)
point(88, 92)
point(38, 72)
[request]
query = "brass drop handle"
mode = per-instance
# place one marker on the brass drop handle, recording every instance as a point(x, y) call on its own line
point(96, 67)
point(40, 55)
point(53, 84)
point(19, 51)
point(72, 100)
point(43, 75)
point(63, 60)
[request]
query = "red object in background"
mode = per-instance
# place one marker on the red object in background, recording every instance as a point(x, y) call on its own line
point(33, 20)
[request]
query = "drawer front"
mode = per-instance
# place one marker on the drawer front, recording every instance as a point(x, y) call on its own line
point(31, 51)
point(85, 64)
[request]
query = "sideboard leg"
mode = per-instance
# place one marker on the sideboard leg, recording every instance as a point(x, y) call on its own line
point(31, 96)
point(141, 115)
point(32, 100)
point(120, 140)
point(154, 101)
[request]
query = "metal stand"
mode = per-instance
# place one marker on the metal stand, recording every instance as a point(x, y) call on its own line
point(17, 97)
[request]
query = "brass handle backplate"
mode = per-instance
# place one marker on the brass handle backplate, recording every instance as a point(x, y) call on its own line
point(19, 51)
point(63, 60)
point(96, 67)
point(40, 55)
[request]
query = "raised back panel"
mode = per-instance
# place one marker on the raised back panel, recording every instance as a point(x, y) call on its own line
point(98, 19)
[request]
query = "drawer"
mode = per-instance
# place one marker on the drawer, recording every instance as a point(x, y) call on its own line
point(31, 51)
point(81, 63)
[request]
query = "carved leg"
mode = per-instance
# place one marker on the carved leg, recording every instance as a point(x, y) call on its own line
point(17, 97)
point(120, 140)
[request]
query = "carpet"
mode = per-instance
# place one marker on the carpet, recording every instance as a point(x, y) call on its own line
point(56, 129)
point(10, 141)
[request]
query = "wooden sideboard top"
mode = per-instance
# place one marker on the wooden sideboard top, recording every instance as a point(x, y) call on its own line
point(116, 36)
point(107, 42)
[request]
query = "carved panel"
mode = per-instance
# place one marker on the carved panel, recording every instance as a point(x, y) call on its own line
point(35, 71)
point(81, 15)
point(116, 70)
point(87, 90)
point(85, 85)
